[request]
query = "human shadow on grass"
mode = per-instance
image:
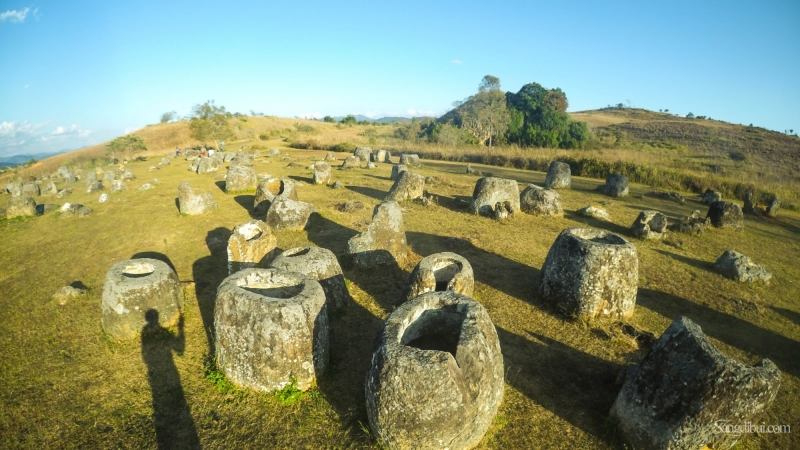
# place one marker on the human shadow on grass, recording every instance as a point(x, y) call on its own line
point(246, 202)
point(698, 263)
point(156, 255)
point(172, 418)
point(353, 329)
point(208, 272)
point(576, 386)
point(783, 351)
point(595, 223)
point(505, 275)
point(369, 192)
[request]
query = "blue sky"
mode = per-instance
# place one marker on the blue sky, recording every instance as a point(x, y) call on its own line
point(73, 73)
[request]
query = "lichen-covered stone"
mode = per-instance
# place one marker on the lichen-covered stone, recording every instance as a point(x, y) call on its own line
point(382, 156)
point(249, 244)
point(14, 188)
point(191, 203)
point(489, 191)
point(330, 156)
point(397, 169)
point(74, 209)
point(20, 207)
point(409, 159)
point(725, 215)
point(694, 223)
point(363, 153)
point(321, 172)
point(541, 202)
point(772, 207)
point(350, 162)
point(132, 288)
point(616, 185)
point(436, 379)
point(384, 241)
point(320, 264)
point(590, 273)
point(240, 178)
point(271, 188)
point(408, 186)
point(444, 271)
point(49, 188)
point(271, 328)
point(650, 225)
point(287, 214)
point(31, 189)
point(205, 165)
point(559, 176)
point(681, 392)
point(594, 212)
point(710, 196)
point(750, 206)
point(736, 266)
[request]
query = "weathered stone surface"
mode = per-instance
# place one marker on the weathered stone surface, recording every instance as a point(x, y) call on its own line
point(384, 241)
point(595, 212)
point(350, 162)
point(650, 225)
point(436, 379)
point(274, 152)
point(409, 159)
point(382, 156)
point(240, 178)
point(66, 174)
point(559, 176)
point(616, 185)
point(271, 328)
point(49, 188)
point(20, 207)
point(363, 153)
point(321, 172)
point(349, 206)
point(337, 185)
point(397, 169)
point(710, 196)
point(74, 209)
point(330, 156)
point(103, 198)
point(287, 214)
point(684, 388)
point(134, 287)
point(205, 165)
point(271, 188)
point(192, 203)
point(736, 266)
point(320, 264)
point(725, 215)
point(65, 294)
point(695, 223)
point(541, 202)
point(117, 185)
point(590, 273)
point(668, 195)
point(444, 271)
point(772, 207)
point(749, 203)
point(14, 188)
point(491, 190)
point(408, 186)
point(31, 189)
point(249, 244)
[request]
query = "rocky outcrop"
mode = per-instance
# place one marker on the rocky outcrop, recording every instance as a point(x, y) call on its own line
point(438, 272)
point(134, 287)
point(736, 266)
point(320, 264)
point(489, 191)
point(591, 273)
point(384, 241)
point(271, 329)
point(559, 176)
point(540, 202)
point(436, 379)
point(685, 389)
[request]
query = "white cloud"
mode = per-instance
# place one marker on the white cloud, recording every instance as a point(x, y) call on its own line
point(26, 137)
point(456, 61)
point(17, 15)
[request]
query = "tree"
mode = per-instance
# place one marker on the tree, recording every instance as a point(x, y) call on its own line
point(210, 122)
point(489, 83)
point(328, 119)
point(168, 116)
point(690, 116)
point(485, 116)
point(125, 146)
point(349, 120)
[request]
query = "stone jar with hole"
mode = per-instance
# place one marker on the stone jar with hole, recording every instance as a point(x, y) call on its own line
point(591, 273)
point(249, 244)
point(444, 271)
point(132, 288)
point(320, 264)
point(436, 379)
point(271, 329)
point(271, 188)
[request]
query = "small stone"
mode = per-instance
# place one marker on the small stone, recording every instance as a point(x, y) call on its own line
point(349, 206)
point(725, 215)
point(74, 209)
point(594, 212)
point(710, 196)
point(350, 162)
point(409, 159)
point(772, 207)
point(67, 293)
point(616, 185)
point(559, 176)
point(736, 266)
point(540, 202)
point(337, 185)
point(650, 225)
point(103, 198)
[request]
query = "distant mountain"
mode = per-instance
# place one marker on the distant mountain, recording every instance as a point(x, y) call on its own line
point(388, 119)
point(15, 160)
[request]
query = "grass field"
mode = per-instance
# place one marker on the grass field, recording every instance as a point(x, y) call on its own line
point(64, 384)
